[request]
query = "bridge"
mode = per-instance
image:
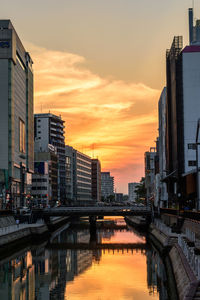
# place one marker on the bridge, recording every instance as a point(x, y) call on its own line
point(96, 246)
point(95, 211)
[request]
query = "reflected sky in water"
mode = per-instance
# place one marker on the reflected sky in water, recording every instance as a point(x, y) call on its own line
point(39, 272)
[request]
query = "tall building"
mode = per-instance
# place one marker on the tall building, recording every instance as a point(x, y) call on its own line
point(194, 31)
point(16, 117)
point(183, 106)
point(45, 179)
point(49, 131)
point(79, 176)
point(107, 185)
point(131, 191)
point(96, 180)
point(150, 172)
point(162, 148)
point(69, 156)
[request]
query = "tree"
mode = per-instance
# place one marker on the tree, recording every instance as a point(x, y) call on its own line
point(140, 191)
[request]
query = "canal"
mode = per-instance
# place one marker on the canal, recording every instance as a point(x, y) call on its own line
point(113, 262)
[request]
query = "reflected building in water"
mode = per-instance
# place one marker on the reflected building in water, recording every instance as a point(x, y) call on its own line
point(156, 275)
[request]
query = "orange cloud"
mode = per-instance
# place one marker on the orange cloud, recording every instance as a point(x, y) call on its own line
point(108, 118)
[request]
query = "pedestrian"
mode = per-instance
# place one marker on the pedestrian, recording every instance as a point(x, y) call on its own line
point(17, 223)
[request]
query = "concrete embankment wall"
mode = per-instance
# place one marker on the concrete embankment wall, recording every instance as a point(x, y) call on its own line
point(186, 281)
point(185, 278)
point(31, 233)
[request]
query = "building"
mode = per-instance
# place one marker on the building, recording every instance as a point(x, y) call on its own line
point(96, 180)
point(49, 131)
point(79, 176)
point(45, 179)
point(69, 157)
point(194, 31)
point(183, 92)
point(131, 191)
point(82, 177)
point(119, 197)
point(150, 173)
point(107, 185)
point(163, 196)
point(16, 117)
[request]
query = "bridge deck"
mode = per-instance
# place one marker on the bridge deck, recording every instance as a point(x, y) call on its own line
point(96, 211)
point(95, 246)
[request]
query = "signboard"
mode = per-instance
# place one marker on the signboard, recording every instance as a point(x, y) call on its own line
point(4, 44)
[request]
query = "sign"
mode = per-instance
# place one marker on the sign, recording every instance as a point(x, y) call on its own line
point(4, 44)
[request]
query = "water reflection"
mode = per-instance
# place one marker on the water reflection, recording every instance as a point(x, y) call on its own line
point(45, 273)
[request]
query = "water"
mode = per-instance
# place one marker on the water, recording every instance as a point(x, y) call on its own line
point(114, 270)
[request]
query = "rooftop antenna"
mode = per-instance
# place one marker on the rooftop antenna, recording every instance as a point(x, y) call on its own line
point(93, 150)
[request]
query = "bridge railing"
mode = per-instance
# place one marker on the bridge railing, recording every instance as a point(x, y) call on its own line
point(190, 235)
point(163, 227)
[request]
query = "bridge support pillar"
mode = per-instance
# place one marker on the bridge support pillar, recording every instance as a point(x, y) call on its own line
point(93, 228)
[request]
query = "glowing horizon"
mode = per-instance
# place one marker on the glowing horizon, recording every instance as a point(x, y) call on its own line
point(105, 118)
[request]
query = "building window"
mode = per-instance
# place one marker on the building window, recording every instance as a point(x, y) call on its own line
point(191, 163)
point(192, 146)
point(22, 137)
point(20, 61)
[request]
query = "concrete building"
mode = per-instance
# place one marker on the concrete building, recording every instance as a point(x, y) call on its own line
point(183, 92)
point(49, 131)
point(82, 177)
point(150, 173)
point(163, 196)
point(96, 180)
point(69, 156)
point(107, 185)
point(79, 176)
point(119, 197)
point(131, 191)
point(45, 179)
point(16, 117)
point(194, 31)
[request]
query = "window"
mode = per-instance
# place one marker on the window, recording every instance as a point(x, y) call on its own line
point(39, 120)
point(192, 146)
point(191, 163)
point(22, 137)
point(20, 61)
point(39, 131)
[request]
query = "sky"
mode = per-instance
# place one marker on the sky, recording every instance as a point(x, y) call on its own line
point(101, 66)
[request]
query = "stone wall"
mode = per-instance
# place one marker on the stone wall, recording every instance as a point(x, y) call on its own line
point(185, 278)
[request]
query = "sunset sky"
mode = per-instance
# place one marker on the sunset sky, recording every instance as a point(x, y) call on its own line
point(100, 64)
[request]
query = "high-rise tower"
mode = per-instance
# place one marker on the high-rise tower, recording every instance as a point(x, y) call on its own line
point(16, 117)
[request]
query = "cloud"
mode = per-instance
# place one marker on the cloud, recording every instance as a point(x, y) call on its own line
point(108, 118)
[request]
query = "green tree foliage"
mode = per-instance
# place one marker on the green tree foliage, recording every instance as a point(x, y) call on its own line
point(140, 191)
